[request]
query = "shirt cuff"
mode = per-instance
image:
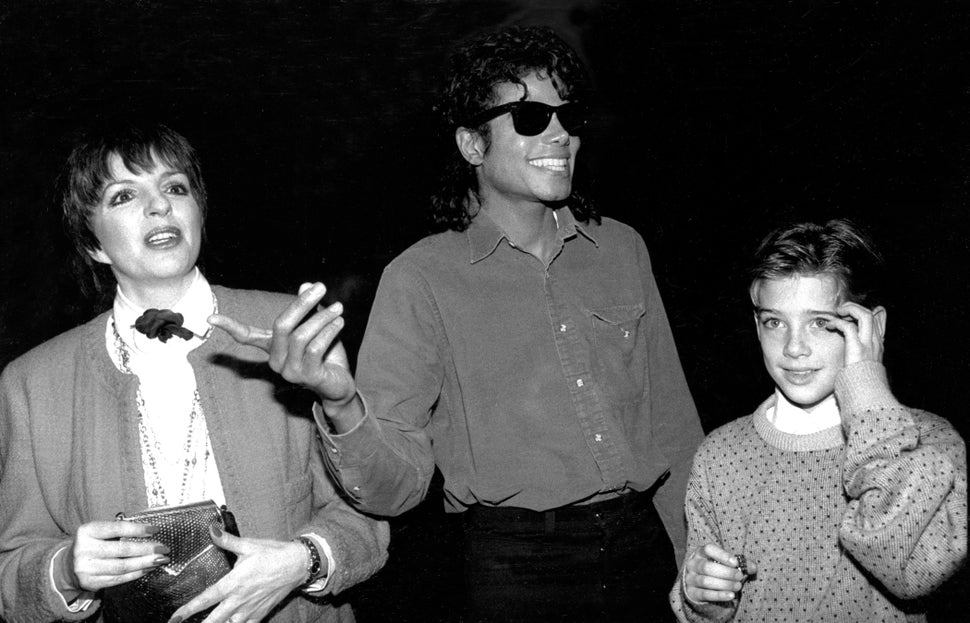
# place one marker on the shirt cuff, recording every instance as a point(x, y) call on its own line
point(354, 448)
point(82, 603)
point(321, 419)
point(321, 583)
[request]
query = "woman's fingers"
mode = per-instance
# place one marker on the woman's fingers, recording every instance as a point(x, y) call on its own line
point(102, 554)
point(243, 333)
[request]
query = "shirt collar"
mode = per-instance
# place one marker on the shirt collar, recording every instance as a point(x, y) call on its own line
point(484, 234)
point(790, 418)
point(196, 305)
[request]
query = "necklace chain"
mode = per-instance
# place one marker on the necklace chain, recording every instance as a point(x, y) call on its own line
point(152, 451)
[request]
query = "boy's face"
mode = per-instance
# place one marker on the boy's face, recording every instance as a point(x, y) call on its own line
point(802, 354)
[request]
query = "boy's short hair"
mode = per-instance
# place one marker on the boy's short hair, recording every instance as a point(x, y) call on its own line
point(838, 248)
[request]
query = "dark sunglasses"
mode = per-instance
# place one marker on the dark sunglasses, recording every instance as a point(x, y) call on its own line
point(532, 118)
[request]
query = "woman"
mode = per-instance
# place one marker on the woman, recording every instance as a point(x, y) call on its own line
point(105, 418)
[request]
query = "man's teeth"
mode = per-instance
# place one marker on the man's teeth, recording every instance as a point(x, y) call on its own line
point(557, 164)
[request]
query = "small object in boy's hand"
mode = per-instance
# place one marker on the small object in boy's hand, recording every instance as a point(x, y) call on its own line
point(742, 564)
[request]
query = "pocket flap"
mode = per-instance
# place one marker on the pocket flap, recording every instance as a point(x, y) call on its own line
point(619, 314)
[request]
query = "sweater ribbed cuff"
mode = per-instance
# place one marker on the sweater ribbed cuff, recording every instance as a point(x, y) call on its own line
point(861, 386)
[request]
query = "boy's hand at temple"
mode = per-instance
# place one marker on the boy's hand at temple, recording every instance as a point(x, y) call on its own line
point(863, 330)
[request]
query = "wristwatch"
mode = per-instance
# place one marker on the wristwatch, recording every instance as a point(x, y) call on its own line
point(313, 563)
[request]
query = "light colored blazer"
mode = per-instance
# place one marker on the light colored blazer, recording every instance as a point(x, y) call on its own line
point(69, 454)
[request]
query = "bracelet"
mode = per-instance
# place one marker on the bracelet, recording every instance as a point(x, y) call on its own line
point(313, 563)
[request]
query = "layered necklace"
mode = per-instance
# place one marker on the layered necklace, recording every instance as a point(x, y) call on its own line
point(195, 452)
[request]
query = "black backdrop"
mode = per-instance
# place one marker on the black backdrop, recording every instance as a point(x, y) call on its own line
point(716, 121)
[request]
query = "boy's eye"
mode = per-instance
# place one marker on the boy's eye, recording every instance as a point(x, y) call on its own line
point(820, 323)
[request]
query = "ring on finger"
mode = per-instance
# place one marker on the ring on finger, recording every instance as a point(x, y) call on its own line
point(742, 564)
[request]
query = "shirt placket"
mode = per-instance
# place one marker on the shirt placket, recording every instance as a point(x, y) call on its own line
point(590, 408)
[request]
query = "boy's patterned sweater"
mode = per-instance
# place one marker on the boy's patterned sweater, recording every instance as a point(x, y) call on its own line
point(853, 523)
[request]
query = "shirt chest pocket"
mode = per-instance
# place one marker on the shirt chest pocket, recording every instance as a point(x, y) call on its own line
point(618, 351)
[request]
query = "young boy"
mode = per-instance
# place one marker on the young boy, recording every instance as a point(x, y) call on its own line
point(832, 501)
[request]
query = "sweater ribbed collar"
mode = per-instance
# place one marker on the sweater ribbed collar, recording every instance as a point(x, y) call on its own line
point(825, 439)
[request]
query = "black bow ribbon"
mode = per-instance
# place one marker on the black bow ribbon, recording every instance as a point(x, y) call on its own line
point(162, 324)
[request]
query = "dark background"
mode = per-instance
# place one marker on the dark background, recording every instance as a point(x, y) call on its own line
point(716, 121)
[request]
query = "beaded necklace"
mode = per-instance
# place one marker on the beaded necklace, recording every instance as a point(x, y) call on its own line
point(196, 439)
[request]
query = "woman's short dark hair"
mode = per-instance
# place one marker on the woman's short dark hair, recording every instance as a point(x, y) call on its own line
point(477, 67)
point(87, 171)
point(838, 248)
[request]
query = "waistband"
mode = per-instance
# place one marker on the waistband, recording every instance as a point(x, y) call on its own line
point(625, 504)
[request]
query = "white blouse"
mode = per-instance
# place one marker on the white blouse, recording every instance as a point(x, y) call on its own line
point(176, 455)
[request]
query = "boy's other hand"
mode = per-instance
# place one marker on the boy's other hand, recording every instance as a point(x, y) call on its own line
point(711, 574)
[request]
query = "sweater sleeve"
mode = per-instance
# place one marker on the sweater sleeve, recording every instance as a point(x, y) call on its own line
point(702, 528)
point(906, 478)
point(29, 537)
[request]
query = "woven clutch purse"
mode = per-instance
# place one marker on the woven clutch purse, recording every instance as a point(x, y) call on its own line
point(196, 563)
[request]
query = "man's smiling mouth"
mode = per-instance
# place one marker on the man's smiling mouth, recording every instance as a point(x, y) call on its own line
point(554, 164)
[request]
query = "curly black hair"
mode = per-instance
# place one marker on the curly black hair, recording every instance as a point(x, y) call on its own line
point(476, 68)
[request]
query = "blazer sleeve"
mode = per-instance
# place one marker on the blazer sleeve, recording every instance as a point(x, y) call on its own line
point(271, 405)
point(359, 542)
point(29, 537)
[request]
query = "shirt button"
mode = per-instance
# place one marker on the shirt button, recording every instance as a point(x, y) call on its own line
point(356, 488)
point(562, 328)
point(579, 382)
point(598, 437)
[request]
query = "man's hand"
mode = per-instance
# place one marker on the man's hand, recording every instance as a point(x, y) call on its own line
point(98, 559)
point(712, 575)
point(265, 572)
point(306, 354)
point(863, 330)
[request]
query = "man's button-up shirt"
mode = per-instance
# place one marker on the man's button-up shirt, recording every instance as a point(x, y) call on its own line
point(528, 385)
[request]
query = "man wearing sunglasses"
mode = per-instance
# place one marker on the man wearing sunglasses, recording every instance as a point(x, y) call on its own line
point(526, 353)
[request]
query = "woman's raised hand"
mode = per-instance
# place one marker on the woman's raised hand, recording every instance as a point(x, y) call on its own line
point(303, 352)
